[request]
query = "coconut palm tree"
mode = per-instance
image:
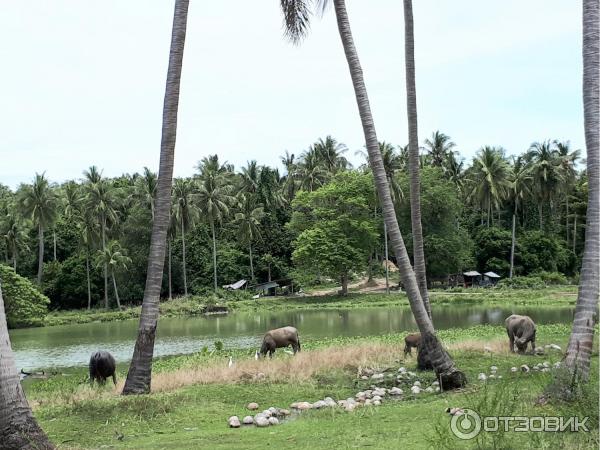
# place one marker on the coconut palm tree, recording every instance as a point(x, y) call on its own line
point(290, 182)
point(248, 220)
point(87, 229)
point(140, 371)
point(311, 173)
point(185, 213)
point(115, 258)
point(579, 349)
point(14, 235)
point(490, 180)
point(296, 20)
point(145, 189)
point(18, 427)
point(520, 179)
point(39, 203)
point(101, 201)
point(213, 198)
point(413, 156)
point(545, 172)
point(330, 152)
point(439, 148)
point(568, 174)
point(249, 177)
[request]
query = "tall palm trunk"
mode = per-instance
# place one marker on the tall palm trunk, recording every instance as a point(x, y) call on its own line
point(214, 239)
point(140, 371)
point(112, 273)
point(185, 291)
point(575, 234)
point(40, 254)
point(567, 217)
point(105, 265)
point(87, 273)
point(387, 265)
point(54, 242)
point(541, 213)
point(579, 349)
point(450, 377)
point(512, 245)
point(170, 278)
point(413, 156)
point(18, 427)
point(251, 262)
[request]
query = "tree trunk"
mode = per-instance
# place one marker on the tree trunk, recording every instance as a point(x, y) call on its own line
point(269, 272)
point(575, 234)
point(89, 286)
point(15, 262)
point(387, 267)
point(18, 428)
point(567, 217)
point(105, 265)
point(214, 239)
point(54, 241)
point(140, 371)
point(413, 156)
point(512, 245)
point(251, 263)
point(115, 287)
point(185, 291)
point(541, 212)
point(170, 280)
point(448, 375)
point(40, 254)
point(344, 280)
point(579, 349)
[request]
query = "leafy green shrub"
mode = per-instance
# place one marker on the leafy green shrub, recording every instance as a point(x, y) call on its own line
point(528, 282)
point(25, 306)
point(551, 278)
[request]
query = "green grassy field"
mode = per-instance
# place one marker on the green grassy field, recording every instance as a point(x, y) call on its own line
point(195, 415)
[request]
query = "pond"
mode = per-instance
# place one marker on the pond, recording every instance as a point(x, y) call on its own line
point(71, 345)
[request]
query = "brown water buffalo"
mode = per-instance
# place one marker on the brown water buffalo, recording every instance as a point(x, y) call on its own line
point(279, 338)
point(102, 366)
point(521, 331)
point(412, 341)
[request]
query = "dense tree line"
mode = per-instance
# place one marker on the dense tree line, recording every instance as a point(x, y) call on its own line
point(87, 241)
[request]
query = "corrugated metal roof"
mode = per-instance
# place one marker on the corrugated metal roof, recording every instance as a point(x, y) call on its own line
point(236, 285)
point(472, 273)
point(267, 285)
point(492, 275)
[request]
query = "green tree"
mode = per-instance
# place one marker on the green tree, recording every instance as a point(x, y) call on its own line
point(186, 213)
point(145, 189)
point(115, 258)
point(520, 179)
point(335, 225)
point(331, 154)
point(439, 148)
point(248, 220)
point(39, 203)
point(140, 371)
point(545, 174)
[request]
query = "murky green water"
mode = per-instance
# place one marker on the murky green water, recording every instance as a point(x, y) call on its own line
point(71, 345)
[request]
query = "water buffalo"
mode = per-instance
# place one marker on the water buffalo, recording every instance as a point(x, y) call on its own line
point(521, 331)
point(102, 366)
point(411, 341)
point(279, 338)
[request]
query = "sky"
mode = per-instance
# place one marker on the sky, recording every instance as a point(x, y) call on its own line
point(83, 82)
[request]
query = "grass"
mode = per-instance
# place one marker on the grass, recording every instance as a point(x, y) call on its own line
point(193, 395)
point(194, 305)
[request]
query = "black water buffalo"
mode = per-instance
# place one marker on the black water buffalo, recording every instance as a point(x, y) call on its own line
point(279, 338)
point(102, 366)
point(521, 331)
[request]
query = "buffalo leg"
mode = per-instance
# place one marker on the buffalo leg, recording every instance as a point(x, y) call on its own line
point(114, 377)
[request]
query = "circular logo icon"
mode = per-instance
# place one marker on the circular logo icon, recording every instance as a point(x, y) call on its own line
point(467, 425)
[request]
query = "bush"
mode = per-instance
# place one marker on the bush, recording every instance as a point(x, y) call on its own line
point(528, 282)
point(25, 306)
point(551, 278)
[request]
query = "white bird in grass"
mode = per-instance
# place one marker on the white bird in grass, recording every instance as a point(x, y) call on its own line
point(288, 351)
point(230, 363)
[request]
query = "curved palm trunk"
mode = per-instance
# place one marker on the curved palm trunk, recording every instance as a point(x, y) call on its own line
point(40, 254)
point(413, 157)
point(112, 273)
point(450, 377)
point(185, 291)
point(170, 279)
point(512, 245)
point(105, 265)
point(214, 239)
point(54, 241)
point(582, 336)
point(18, 427)
point(89, 285)
point(140, 371)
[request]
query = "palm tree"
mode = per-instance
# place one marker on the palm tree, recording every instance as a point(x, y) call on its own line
point(145, 189)
point(330, 153)
point(39, 203)
point(545, 172)
point(579, 349)
point(413, 156)
point(568, 174)
point(248, 220)
point(296, 16)
point(88, 233)
point(392, 163)
point(249, 177)
point(214, 198)
point(311, 173)
point(14, 235)
point(490, 177)
point(290, 184)
point(115, 258)
point(185, 213)
point(18, 427)
point(102, 202)
point(439, 148)
point(140, 371)
point(519, 189)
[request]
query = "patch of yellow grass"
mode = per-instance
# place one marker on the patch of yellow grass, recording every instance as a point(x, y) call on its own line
point(497, 346)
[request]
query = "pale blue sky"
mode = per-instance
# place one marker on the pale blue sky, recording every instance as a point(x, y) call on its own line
point(83, 82)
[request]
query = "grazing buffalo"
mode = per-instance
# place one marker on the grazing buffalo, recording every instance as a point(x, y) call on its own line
point(521, 331)
point(411, 341)
point(102, 366)
point(279, 338)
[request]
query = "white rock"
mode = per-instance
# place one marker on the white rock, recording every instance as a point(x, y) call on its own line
point(273, 421)
point(329, 402)
point(360, 394)
point(524, 368)
point(435, 383)
point(396, 391)
point(429, 389)
point(248, 420)
point(417, 383)
point(294, 405)
point(284, 412)
point(494, 369)
point(303, 406)
point(267, 413)
point(319, 404)
point(252, 406)
point(545, 369)
point(482, 377)
point(411, 374)
point(492, 376)
point(234, 422)
point(379, 392)
point(402, 370)
point(377, 376)
point(415, 389)
point(556, 365)
point(499, 376)
point(487, 349)
point(437, 389)
point(364, 377)
point(546, 364)
point(376, 398)
point(555, 347)
point(513, 369)
point(350, 407)
point(376, 402)
point(350, 400)
point(368, 402)
point(261, 421)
